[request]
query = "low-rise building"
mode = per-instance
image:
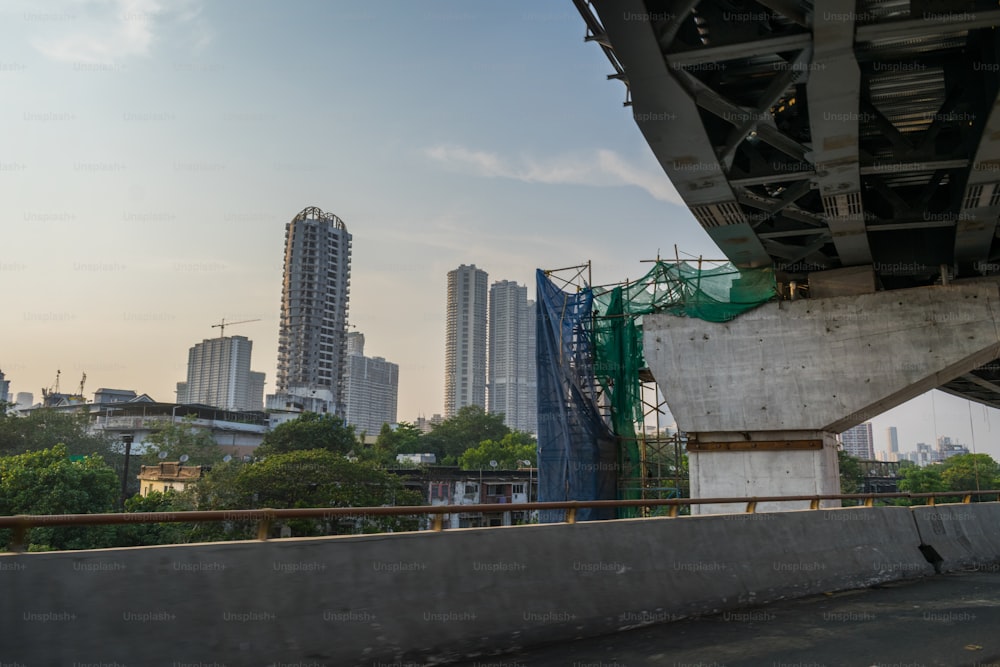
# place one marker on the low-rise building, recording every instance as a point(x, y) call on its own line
point(449, 485)
point(168, 476)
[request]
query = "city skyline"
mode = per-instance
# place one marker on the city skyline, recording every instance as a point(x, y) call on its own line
point(157, 153)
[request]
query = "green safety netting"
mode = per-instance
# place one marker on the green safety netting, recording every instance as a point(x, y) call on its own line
point(612, 331)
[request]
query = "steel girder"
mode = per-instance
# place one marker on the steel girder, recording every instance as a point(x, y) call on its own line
point(848, 133)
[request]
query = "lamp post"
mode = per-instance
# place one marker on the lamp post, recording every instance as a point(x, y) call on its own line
point(527, 463)
point(127, 440)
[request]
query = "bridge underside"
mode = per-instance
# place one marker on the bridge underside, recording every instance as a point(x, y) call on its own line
point(815, 137)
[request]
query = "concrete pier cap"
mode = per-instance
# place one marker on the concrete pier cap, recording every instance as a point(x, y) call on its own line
point(764, 395)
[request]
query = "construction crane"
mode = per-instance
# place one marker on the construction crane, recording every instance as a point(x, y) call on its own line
point(53, 390)
point(223, 324)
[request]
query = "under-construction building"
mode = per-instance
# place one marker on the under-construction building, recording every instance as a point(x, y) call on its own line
point(599, 409)
point(314, 299)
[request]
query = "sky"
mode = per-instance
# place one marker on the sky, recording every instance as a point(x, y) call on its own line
point(152, 152)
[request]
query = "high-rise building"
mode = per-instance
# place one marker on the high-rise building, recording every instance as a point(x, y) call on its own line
point(892, 435)
point(371, 388)
point(513, 386)
point(857, 441)
point(218, 374)
point(314, 298)
point(465, 347)
point(4, 388)
point(257, 381)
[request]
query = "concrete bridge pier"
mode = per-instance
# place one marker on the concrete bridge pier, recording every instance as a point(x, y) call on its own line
point(764, 395)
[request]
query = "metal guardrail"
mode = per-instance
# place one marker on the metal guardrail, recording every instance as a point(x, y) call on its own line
point(22, 523)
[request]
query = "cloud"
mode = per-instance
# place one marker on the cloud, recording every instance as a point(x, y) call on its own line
point(600, 168)
point(110, 31)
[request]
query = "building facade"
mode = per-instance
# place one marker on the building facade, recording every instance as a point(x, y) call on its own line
point(314, 303)
point(858, 441)
point(465, 340)
point(513, 385)
point(371, 387)
point(219, 375)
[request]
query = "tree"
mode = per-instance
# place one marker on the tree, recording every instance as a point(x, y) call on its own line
point(309, 431)
point(47, 482)
point(46, 428)
point(509, 452)
point(176, 439)
point(922, 480)
point(315, 478)
point(967, 472)
point(471, 426)
point(852, 477)
point(143, 534)
point(405, 438)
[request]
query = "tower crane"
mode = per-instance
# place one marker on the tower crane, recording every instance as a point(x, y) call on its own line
point(223, 324)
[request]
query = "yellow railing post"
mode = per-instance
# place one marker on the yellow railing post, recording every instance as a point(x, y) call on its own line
point(264, 527)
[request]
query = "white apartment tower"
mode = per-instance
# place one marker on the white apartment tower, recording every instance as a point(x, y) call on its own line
point(512, 380)
point(371, 386)
point(314, 298)
point(465, 347)
point(218, 374)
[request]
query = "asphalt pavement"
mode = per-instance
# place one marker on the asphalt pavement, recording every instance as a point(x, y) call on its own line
point(948, 619)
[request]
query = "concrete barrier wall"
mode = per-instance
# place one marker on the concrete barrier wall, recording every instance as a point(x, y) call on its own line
point(964, 536)
point(384, 599)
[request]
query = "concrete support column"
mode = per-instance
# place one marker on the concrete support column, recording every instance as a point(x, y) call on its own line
point(763, 463)
point(766, 393)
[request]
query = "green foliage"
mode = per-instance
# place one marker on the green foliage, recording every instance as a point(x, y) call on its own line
point(508, 452)
point(967, 472)
point(404, 439)
point(309, 431)
point(851, 474)
point(471, 426)
point(923, 480)
point(142, 534)
point(310, 478)
point(46, 428)
point(178, 438)
point(47, 482)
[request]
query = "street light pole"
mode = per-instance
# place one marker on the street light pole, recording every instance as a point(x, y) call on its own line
point(127, 440)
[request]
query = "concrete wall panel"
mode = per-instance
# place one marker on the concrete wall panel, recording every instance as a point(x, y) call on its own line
point(964, 536)
point(420, 596)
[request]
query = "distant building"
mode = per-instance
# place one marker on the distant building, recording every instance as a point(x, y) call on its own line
point(4, 388)
point(371, 388)
point(167, 476)
point(892, 436)
point(858, 441)
point(513, 385)
point(417, 459)
point(25, 399)
point(946, 448)
point(314, 303)
point(446, 485)
point(427, 425)
point(219, 375)
point(105, 395)
point(465, 344)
